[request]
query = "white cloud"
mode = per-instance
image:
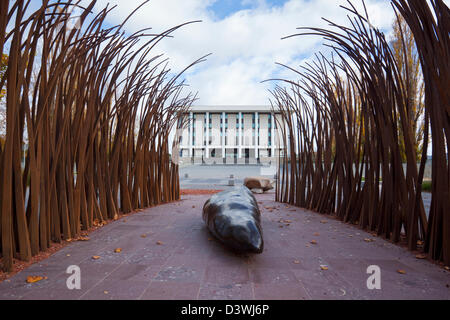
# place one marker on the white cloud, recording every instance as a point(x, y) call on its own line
point(245, 45)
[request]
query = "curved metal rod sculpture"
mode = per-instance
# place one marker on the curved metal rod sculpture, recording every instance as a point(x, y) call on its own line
point(89, 112)
point(344, 116)
point(430, 25)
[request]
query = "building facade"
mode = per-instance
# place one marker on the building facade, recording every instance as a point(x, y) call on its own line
point(229, 135)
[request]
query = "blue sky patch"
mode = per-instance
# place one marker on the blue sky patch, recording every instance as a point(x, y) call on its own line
point(225, 8)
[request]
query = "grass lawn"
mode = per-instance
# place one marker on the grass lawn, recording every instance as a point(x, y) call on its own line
point(426, 186)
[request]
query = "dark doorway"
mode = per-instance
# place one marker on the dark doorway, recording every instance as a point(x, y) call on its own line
point(247, 156)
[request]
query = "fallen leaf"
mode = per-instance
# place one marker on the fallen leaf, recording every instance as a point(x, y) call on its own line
point(401, 271)
point(447, 268)
point(193, 207)
point(316, 234)
point(159, 243)
point(116, 217)
point(421, 256)
point(313, 242)
point(296, 262)
point(118, 250)
point(34, 279)
point(143, 236)
point(419, 243)
point(323, 267)
point(68, 255)
point(324, 221)
point(210, 239)
point(83, 239)
point(95, 257)
point(369, 240)
point(105, 292)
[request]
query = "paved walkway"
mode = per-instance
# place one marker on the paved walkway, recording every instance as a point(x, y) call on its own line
point(167, 253)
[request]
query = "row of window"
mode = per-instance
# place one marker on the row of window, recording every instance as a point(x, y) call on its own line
point(180, 140)
point(238, 121)
point(246, 153)
point(208, 124)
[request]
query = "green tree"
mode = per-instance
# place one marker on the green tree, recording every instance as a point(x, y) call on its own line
point(3, 67)
point(405, 53)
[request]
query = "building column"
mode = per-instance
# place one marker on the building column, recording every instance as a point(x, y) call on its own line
point(243, 131)
point(223, 135)
point(191, 134)
point(272, 130)
point(240, 140)
point(256, 135)
point(207, 135)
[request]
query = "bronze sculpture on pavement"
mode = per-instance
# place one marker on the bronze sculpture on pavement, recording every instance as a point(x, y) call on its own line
point(233, 217)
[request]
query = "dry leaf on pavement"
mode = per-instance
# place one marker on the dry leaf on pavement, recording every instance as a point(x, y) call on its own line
point(34, 279)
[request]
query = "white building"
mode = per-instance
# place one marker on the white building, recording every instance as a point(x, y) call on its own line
point(230, 135)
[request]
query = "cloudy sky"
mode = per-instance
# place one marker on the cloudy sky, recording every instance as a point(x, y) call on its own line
point(244, 37)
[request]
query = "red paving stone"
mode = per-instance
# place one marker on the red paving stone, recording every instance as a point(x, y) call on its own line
point(179, 259)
